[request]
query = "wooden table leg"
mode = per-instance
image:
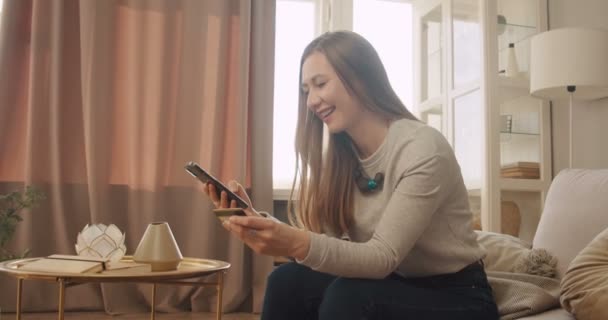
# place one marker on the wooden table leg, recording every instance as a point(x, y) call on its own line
point(153, 312)
point(19, 290)
point(220, 292)
point(61, 297)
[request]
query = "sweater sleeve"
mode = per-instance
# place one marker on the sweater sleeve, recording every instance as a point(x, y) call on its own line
point(421, 189)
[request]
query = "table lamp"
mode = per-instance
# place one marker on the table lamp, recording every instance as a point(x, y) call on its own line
point(569, 63)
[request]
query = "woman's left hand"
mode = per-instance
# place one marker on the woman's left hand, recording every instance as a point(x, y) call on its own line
point(269, 237)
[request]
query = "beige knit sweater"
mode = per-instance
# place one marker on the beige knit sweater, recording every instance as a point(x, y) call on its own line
point(419, 224)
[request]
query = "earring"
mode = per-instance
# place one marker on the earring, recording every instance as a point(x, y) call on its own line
point(367, 184)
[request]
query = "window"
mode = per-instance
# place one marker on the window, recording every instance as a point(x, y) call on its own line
point(387, 24)
point(295, 28)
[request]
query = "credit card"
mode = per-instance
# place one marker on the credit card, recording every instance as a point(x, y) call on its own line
point(225, 213)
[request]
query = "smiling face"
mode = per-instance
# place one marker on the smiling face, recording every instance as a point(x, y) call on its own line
point(326, 95)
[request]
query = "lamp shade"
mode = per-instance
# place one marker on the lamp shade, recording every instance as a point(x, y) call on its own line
point(569, 57)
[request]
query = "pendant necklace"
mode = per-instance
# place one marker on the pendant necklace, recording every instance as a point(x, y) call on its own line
point(367, 184)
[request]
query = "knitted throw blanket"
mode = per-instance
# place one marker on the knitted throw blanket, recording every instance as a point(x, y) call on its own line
point(518, 294)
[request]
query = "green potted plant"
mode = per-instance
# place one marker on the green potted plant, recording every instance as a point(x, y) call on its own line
point(10, 206)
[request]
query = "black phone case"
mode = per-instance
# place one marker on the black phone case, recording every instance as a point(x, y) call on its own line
point(196, 171)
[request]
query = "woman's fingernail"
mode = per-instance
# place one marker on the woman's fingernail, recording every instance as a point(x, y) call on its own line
point(234, 187)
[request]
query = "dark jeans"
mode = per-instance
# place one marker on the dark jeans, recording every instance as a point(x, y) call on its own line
point(296, 292)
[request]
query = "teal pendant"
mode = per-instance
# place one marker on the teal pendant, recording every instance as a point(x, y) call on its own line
point(372, 184)
point(366, 184)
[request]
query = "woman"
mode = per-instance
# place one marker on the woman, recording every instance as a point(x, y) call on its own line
point(383, 217)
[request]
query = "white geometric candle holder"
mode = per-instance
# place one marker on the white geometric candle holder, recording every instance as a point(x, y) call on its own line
point(101, 241)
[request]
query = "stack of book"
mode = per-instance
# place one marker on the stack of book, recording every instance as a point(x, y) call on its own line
point(62, 263)
point(521, 170)
point(59, 263)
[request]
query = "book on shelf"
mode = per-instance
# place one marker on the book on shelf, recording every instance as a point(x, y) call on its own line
point(521, 164)
point(58, 263)
point(525, 170)
point(520, 175)
point(521, 170)
point(529, 174)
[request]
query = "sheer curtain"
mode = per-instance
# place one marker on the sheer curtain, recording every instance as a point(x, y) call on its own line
point(101, 105)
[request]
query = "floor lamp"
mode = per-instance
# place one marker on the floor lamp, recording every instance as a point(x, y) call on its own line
point(569, 63)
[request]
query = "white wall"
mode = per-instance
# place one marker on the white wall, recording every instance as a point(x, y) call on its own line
point(590, 138)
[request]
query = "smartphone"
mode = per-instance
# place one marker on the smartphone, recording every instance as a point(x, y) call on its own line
point(203, 176)
point(225, 213)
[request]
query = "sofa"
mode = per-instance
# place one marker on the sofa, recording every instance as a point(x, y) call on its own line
point(574, 213)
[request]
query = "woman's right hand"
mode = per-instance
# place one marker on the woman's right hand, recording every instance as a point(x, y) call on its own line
point(260, 231)
point(222, 201)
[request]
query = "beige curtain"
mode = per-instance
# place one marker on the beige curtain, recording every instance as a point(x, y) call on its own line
point(101, 105)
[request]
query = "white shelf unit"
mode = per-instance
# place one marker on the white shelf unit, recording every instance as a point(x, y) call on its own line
point(529, 137)
point(461, 91)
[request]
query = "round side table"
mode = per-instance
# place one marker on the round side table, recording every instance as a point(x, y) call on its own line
point(188, 269)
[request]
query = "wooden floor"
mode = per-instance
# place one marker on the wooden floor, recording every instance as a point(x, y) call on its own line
point(139, 316)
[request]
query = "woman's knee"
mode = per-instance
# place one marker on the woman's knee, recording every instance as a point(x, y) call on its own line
point(292, 277)
point(295, 287)
point(282, 278)
point(345, 298)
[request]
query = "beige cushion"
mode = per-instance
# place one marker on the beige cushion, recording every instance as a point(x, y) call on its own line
point(584, 288)
point(502, 251)
point(574, 213)
point(555, 314)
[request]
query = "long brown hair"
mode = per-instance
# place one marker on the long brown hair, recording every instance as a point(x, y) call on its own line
point(325, 194)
